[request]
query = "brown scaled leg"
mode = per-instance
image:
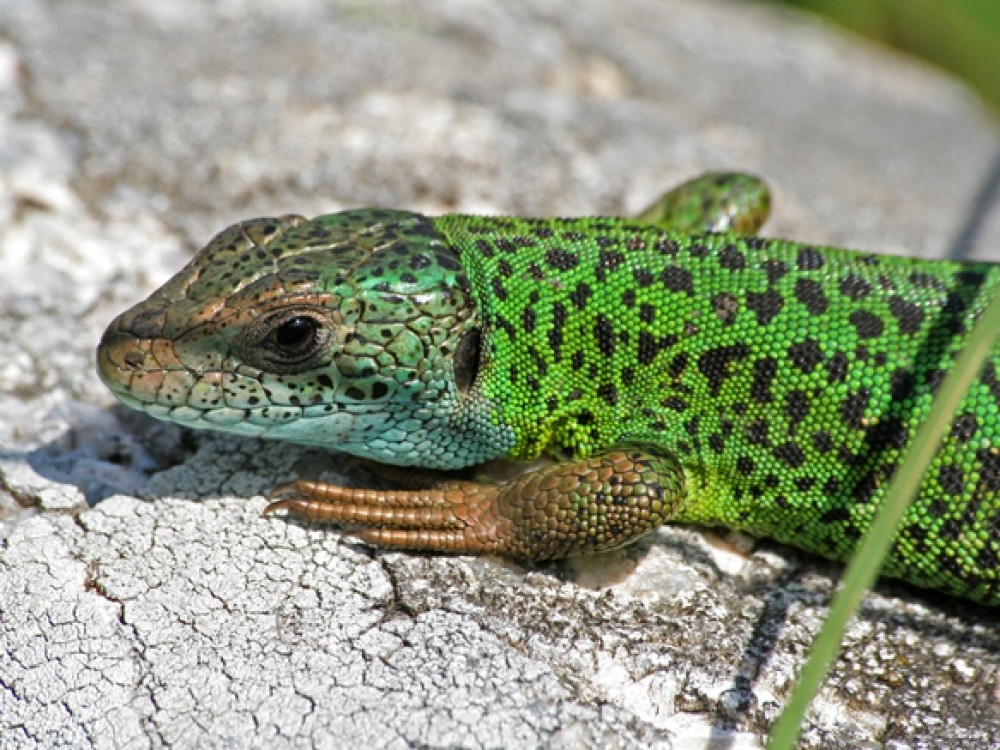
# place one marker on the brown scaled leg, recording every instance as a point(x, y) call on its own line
point(570, 508)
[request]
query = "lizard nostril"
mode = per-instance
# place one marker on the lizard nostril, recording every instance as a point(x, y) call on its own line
point(135, 359)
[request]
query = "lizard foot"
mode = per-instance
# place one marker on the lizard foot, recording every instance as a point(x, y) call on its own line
point(569, 508)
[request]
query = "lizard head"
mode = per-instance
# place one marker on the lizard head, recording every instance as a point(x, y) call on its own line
point(355, 331)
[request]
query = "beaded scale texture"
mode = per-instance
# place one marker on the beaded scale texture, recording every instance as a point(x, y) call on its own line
point(672, 373)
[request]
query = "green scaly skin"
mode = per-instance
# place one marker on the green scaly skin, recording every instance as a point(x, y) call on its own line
point(673, 373)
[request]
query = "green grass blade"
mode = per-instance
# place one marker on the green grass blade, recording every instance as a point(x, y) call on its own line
point(867, 560)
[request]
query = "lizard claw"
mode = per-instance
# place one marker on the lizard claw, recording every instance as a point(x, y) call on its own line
point(575, 507)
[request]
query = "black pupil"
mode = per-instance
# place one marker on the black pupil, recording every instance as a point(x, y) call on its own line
point(294, 333)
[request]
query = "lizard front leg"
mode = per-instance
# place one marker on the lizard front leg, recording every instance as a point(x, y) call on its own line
point(570, 508)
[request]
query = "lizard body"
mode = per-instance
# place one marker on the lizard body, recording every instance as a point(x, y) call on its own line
point(673, 373)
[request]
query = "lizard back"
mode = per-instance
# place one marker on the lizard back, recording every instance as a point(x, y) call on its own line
point(787, 379)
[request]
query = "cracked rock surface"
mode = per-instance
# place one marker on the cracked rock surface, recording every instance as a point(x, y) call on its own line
point(143, 600)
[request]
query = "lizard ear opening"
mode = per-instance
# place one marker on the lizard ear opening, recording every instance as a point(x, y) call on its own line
point(466, 360)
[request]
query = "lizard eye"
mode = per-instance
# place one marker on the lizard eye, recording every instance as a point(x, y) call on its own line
point(286, 341)
point(295, 336)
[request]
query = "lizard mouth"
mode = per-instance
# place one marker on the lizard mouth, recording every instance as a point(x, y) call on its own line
point(127, 367)
point(144, 373)
point(148, 374)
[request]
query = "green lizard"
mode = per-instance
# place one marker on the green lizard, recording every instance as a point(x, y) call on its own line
point(676, 371)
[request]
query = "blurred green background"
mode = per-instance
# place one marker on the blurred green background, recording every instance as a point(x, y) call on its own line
point(962, 36)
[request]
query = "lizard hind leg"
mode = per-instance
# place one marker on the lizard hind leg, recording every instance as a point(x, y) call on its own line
point(713, 202)
point(569, 508)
